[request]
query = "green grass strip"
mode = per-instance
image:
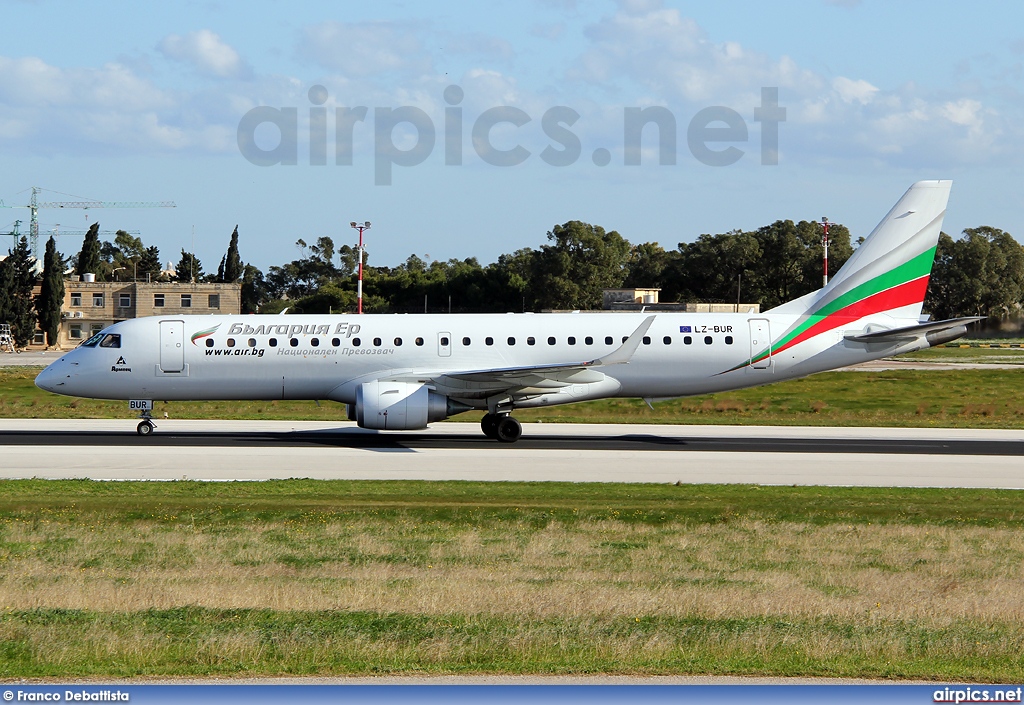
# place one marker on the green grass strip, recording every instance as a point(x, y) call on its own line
point(204, 642)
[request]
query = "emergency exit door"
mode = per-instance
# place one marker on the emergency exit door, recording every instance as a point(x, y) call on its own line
point(444, 344)
point(760, 344)
point(172, 346)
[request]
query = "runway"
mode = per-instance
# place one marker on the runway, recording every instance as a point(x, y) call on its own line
point(264, 450)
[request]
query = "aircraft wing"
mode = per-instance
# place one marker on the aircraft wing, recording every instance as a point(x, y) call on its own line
point(954, 327)
point(498, 379)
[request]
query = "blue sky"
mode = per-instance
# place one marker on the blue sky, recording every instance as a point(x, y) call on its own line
point(119, 101)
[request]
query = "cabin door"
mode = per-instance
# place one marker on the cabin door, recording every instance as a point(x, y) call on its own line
point(760, 344)
point(172, 346)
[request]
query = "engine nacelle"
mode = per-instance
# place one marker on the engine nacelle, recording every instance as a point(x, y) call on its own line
point(398, 406)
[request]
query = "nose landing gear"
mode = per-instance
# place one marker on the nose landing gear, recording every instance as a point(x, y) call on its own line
point(146, 426)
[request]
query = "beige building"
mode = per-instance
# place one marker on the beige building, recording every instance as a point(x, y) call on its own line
point(647, 300)
point(89, 307)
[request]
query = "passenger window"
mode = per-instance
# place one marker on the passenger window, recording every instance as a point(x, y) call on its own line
point(588, 340)
point(667, 340)
point(419, 341)
point(231, 342)
point(466, 341)
point(707, 340)
point(728, 340)
point(377, 342)
point(511, 341)
point(252, 342)
point(488, 341)
point(444, 340)
point(571, 340)
point(608, 340)
point(315, 342)
point(111, 340)
point(687, 340)
point(294, 342)
point(356, 342)
point(398, 342)
point(551, 340)
point(335, 342)
point(273, 342)
point(531, 340)
point(647, 340)
point(209, 342)
point(625, 338)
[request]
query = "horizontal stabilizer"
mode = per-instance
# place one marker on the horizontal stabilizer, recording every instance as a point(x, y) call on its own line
point(954, 328)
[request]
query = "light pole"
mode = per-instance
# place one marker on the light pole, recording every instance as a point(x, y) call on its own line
point(359, 287)
point(115, 271)
point(824, 243)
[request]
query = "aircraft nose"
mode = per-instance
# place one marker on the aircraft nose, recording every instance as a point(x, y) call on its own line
point(52, 378)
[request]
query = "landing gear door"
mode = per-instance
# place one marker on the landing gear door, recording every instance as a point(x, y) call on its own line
point(172, 346)
point(444, 344)
point(760, 344)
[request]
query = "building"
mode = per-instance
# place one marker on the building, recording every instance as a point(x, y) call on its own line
point(647, 300)
point(91, 306)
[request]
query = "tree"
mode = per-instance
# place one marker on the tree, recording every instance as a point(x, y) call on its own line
point(220, 270)
point(715, 268)
point(647, 263)
point(233, 267)
point(149, 266)
point(582, 260)
point(255, 291)
point(981, 274)
point(89, 256)
point(20, 278)
point(51, 294)
point(189, 268)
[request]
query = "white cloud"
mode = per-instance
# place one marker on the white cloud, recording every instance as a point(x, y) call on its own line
point(672, 56)
point(31, 82)
point(206, 52)
point(850, 91)
point(645, 53)
point(361, 49)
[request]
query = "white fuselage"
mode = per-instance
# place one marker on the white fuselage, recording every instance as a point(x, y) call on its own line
point(328, 356)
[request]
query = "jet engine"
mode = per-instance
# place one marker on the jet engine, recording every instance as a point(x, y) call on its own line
point(401, 406)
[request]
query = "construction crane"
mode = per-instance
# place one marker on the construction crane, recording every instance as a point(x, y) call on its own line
point(15, 233)
point(35, 206)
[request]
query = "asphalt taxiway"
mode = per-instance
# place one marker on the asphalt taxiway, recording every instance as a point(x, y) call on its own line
point(264, 450)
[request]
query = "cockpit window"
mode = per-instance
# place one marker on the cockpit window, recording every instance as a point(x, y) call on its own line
point(91, 342)
point(111, 340)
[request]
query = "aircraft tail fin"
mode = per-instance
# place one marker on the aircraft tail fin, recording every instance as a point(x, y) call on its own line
point(889, 272)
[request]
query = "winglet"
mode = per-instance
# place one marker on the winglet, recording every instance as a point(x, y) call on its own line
point(625, 352)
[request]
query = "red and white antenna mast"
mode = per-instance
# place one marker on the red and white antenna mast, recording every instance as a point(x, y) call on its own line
point(824, 244)
point(359, 291)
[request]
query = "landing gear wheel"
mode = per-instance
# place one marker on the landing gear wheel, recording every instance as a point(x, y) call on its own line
point(489, 425)
point(509, 430)
point(145, 428)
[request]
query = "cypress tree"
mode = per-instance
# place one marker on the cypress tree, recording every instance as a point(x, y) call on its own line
point(149, 263)
point(51, 294)
point(89, 257)
point(21, 312)
point(6, 284)
point(188, 267)
point(233, 268)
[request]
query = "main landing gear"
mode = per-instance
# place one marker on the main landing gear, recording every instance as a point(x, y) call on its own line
point(501, 427)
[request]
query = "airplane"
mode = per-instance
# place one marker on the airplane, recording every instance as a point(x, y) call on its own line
point(402, 372)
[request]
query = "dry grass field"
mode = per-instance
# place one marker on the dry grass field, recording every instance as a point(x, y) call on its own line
point(272, 578)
